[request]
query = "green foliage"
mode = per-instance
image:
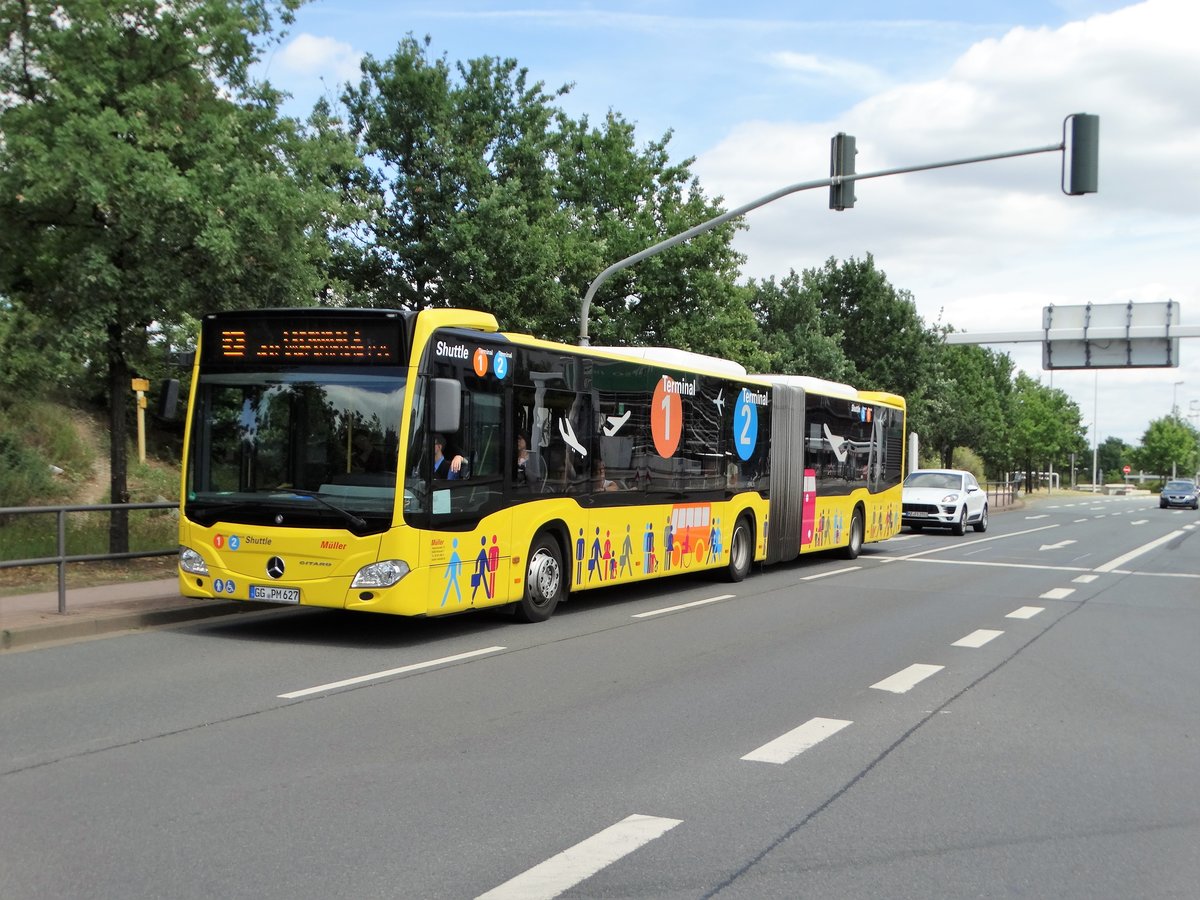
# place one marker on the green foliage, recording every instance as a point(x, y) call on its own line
point(1170, 445)
point(797, 338)
point(968, 460)
point(966, 403)
point(145, 179)
point(1046, 427)
point(34, 437)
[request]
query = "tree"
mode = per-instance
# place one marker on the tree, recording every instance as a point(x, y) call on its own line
point(144, 178)
point(793, 334)
point(1111, 457)
point(490, 197)
point(1047, 427)
point(966, 403)
point(1170, 446)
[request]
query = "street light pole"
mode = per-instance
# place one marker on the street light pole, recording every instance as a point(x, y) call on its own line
point(1174, 403)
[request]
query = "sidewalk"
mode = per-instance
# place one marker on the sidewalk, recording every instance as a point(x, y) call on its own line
point(33, 619)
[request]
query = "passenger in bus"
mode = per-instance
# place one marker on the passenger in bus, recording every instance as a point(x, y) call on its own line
point(446, 467)
point(367, 457)
point(522, 457)
point(599, 481)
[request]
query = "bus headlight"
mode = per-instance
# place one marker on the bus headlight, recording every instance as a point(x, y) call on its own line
point(382, 574)
point(191, 561)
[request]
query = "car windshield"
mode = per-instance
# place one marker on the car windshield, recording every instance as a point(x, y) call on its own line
point(1179, 486)
point(944, 480)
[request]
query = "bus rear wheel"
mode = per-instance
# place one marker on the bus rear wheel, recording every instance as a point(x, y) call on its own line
point(854, 547)
point(545, 581)
point(741, 550)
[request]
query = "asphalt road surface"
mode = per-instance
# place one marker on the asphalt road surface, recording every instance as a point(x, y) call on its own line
point(1009, 714)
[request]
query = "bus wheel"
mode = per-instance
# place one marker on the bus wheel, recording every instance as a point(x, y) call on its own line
point(741, 551)
point(545, 584)
point(852, 549)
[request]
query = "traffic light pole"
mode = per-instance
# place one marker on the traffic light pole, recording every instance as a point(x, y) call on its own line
point(1083, 180)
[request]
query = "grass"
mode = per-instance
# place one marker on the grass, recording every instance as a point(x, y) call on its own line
point(76, 442)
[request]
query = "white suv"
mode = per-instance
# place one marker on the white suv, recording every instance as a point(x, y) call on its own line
point(943, 498)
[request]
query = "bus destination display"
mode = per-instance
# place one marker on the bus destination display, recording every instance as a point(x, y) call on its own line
point(291, 341)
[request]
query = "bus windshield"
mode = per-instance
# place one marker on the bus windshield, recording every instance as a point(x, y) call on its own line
point(317, 448)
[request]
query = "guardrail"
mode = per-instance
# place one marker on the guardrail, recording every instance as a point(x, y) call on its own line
point(61, 558)
point(1002, 493)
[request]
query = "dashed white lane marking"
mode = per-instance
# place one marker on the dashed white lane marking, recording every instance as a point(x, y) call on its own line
point(1042, 516)
point(1084, 579)
point(1077, 521)
point(670, 609)
point(1025, 612)
point(562, 872)
point(977, 638)
point(1057, 594)
point(787, 747)
point(906, 679)
point(1139, 521)
point(827, 574)
point(376, 676)
point(1132, 554)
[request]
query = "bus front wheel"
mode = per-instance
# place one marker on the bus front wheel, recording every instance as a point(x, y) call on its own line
point(545, 581)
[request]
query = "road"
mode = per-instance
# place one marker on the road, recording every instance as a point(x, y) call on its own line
point(1003, 714)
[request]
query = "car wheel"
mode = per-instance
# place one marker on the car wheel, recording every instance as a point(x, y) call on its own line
point(545, 581)
point(960, 527)
point(981, 525)
point(916, 527)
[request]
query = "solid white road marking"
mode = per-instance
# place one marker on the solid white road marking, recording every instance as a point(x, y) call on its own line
point(670, 609)
point(1057, 594)
point(1085, 579)
point(906, 679)
point(827, 574)
point(375, 676)
point(788, 746)
point(1025, 612)
point(562, 872)
point(977, 638)
point(1132, 554)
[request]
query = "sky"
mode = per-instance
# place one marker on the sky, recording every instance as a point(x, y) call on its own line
point(753, 91)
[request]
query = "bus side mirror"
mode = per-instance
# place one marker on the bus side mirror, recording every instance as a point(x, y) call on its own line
point(447, 405)
point(168, 399)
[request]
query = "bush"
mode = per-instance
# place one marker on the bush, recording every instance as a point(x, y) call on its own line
point(968, 460)
point(25, 477)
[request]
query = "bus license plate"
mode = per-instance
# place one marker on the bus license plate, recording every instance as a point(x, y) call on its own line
point(272, 594)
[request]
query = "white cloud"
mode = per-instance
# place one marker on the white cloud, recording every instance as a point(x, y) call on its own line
point(308, 55)
point(988, 245)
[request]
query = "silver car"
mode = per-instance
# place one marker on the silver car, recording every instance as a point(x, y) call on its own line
point(1179, 493)
point(943, 498)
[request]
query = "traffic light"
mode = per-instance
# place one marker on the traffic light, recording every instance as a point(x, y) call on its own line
point(841, 164)
point(1081, 154)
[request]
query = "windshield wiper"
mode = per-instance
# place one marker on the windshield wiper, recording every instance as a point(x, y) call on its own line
point(350, 517)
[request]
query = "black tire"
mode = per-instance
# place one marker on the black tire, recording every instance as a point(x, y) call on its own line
point(981, 525)
point(917, 528)
point(545, 581)
point(741, 551)
point(960, 527)
point(854, 547)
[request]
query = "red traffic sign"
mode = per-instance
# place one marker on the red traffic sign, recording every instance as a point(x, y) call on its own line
point(1126, 470)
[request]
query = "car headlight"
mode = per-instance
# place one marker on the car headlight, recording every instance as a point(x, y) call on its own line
point(381, 574)
point(191, 561)
point(950, 498)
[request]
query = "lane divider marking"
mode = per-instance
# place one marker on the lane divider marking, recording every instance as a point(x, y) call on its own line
point(671, 609)
point(978, 638)
point(788, 746)
point(1025, 612)
point(565, 870)
point(906, 679)
point(1057, 594)
point(388, 673)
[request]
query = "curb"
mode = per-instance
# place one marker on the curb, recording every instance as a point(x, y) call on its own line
point(84, 626)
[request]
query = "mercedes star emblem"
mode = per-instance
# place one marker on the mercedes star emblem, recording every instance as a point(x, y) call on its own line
point(275, 567)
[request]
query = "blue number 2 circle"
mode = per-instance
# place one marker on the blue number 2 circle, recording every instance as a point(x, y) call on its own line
point(745, 426)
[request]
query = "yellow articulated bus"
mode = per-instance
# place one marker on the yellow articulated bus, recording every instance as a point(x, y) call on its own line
point(425, 463)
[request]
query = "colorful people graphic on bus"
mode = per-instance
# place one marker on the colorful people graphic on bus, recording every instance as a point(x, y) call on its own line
point(453, 570)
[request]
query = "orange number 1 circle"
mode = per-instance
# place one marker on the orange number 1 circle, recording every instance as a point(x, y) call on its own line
point(666, 419)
